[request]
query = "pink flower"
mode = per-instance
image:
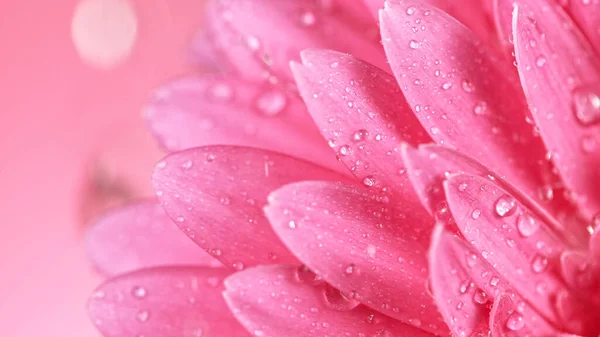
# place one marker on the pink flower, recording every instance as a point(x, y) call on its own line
point(467, 203)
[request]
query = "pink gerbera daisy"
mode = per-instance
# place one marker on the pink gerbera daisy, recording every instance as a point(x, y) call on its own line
point(462, 200)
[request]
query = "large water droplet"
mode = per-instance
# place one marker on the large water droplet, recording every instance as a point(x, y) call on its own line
point(505, 205)
point(305, 275)
point(360, 135)
point(527, 225)
point(337, 300)
point(515, 321)
point(586, 103)
point(271, 103)
point(480, 297)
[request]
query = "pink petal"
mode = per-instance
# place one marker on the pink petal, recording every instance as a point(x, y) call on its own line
point(476, 282)
point(215, 195)
point(472, 13)
point(452, 287)
point(272, 301)
point(141, 235)
point(510, 237)
point(508, 320)
point(586, 13)
point(503, 10)
point(165, 302)
point(361, 245)
point(267, 35)
point(579, 271)
point(429, 165)
point(362, 113)
point(559, 72)
point(458, 91)
point(216, 109)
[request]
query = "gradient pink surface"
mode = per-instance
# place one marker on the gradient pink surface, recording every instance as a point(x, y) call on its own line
point(58, 115)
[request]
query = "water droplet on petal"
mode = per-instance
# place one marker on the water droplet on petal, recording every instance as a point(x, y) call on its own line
point(360, 135)
point(411, 10)
point(462, 187)
point(527, 225)
point(480, 108)
point(337, 300)
point(305, 275)
point(143, 316)
point(505, 206)
point(476, 214)
point(350, 269)
point(494, 281)
point(480, 297)
point(586, 103)
point(238, 265)
point(308, 19)
point(467, 86)
point(515, 321)
point(271, 103)
point(139, 292)
point(369, 181)
point(539, 263)
point(447, 85)
point(540, 62)
point(413, 44)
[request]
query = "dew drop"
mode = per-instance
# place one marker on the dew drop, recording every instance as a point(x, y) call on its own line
point(187, 165)
point(480, 297)
point(467, 86)
point(411, 10)
point(494, 281)
point(271, 103)
point(539, 264)
point(308, 19)
point(515, 321)
point(505, 205)
point(143, 316)
point(337, 300)
point(305, 275)
point(350, 269)
point(480, 108)
point(476, 214)
point(369, 181)
point(586, 104)
point(360, 135)
point(139, 292)
point(527, 225)
point(447, 85)
point(540, 62)
point(462, 187)
point(413, 44)
point(238, 265)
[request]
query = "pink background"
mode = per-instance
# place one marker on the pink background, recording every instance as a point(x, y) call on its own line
point(58, 115)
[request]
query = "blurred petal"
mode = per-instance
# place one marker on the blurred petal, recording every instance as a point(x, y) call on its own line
point(224, 110)
point(361, 245)
point(126, 239)
point(165, 302)
point(559, 72)
point(216, 194)
point(271, 301)
point(586, 13)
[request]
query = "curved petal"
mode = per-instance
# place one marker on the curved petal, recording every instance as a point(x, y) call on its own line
point(560, 74)
point(452, 288)
point(165, 302)
point(126, 239)
point(586, 13)
point(458, 91)
point(472, 13)
point(261, 37)
point(511, 238)
point(361, 111)
point(215, 195)
point(508, 319)
point(224, 110)
point(361, 245)
point(271, 301)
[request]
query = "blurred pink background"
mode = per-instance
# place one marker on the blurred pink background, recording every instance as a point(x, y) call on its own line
point(63, 109)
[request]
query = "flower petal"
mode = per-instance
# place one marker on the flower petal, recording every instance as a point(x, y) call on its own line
point(361, 245)
point(453, 290)
point(458, 91)
point(267, 35)
point(215, 195)
point(126, 238)
point(165, 302)
point(216, 109)
point(507, 321)
point(361, 111)
point(510, 237)
point(271, 301)
point(559, 72)
point(586, 13)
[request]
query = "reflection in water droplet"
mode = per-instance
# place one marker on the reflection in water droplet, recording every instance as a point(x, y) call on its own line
point(369, 181)
point(586, 104)
point(527, 225)
point(305, 275)
point(337, 300)
point(505, 205)
point(515, 321)
point(539, 264)
point(360, 135)
point(480, 297)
